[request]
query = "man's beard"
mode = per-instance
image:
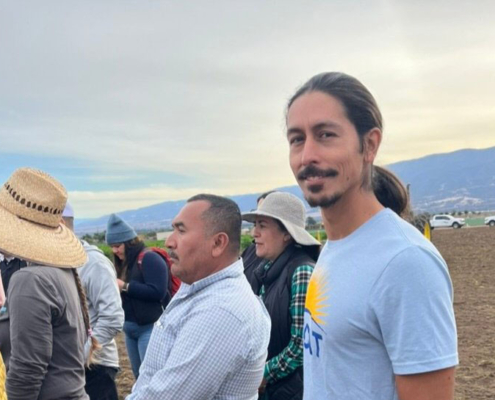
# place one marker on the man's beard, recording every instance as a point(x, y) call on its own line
point(324, 202)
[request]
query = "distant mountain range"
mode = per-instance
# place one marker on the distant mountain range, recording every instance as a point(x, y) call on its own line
point(160, 216)
point(462, 180)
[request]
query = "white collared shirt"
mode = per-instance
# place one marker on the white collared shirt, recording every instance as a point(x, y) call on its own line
point(210, 343)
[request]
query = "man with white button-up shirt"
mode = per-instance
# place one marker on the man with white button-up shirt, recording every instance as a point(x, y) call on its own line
point(211, 341)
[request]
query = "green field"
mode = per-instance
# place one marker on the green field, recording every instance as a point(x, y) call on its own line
point(479, 221)
point(245, 242)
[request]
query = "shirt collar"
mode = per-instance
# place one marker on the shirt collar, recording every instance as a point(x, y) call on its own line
point(232, 271)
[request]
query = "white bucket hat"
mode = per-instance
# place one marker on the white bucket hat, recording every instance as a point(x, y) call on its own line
point(31, 206)
point(289, 210)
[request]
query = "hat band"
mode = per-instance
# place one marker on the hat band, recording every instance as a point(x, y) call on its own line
point(31, 204)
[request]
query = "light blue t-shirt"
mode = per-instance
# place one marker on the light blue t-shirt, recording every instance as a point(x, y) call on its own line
point(379, 304)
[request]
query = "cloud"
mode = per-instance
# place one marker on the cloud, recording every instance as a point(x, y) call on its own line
point(95, 204)
point(192, 95)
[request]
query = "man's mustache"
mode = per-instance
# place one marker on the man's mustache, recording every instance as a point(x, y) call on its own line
point(311, 170)
point(173, 255)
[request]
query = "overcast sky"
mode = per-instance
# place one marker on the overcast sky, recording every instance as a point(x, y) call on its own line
point(131, 103)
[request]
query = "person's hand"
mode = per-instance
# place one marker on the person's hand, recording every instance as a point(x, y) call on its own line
point(120, 283)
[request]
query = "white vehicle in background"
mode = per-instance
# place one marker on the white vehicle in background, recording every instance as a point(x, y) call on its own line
point(490, 221)
point(446, 221)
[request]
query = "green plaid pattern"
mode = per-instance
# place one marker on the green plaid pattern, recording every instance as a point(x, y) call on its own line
point(290, 358)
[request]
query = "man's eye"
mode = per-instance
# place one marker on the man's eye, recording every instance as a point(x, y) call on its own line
point(296, 140)
point(327, 134)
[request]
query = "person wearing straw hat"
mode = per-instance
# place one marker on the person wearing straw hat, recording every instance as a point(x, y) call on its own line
point(291, 252)
point(48, 312)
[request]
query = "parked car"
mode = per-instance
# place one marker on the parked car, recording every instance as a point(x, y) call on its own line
point(446, 221)
point(490, 221)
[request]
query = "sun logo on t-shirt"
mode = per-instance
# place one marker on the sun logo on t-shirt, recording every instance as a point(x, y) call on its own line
point(316, 296)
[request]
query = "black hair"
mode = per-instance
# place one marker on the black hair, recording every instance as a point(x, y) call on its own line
point(132, 248)
point(390, 191)
point(263, 195)
point(359, 104)
point(223, 215)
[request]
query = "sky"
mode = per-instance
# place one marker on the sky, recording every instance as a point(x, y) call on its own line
point(132, 103)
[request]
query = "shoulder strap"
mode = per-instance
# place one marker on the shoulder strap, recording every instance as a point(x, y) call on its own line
point(173, 281)
point(140, 258)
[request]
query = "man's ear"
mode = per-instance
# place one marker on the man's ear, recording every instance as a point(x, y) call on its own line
point(220, 243)
point(371, 144)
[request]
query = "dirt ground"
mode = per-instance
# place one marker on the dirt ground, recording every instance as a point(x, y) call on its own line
point(470, 254)
point(125, 378)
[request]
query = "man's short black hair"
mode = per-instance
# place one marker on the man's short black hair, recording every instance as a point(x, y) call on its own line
point(223, 215)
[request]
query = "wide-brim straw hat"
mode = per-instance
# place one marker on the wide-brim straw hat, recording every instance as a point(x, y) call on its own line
point(31, 206)
point(290, 211)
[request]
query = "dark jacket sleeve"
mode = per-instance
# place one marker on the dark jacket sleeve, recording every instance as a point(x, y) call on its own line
point(155, 275)
point(31, 302)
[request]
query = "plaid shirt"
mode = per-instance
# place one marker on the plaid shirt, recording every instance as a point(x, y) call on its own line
point(210, 343)
point(291, 357)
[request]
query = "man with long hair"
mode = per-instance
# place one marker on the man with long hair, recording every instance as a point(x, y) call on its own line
point(379, 320)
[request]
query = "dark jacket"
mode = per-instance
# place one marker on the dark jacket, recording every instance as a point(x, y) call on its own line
point(147, 287)
point(278, 282)
point(8, 268)
point(251, 261)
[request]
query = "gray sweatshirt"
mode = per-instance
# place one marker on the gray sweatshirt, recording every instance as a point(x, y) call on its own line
point(104, 303)
point(48, 336)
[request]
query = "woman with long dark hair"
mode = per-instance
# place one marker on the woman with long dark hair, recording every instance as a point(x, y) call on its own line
point(142, 277)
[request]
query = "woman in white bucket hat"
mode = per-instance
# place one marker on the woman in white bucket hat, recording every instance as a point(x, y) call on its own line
point(291, 252)
point(47, 306)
